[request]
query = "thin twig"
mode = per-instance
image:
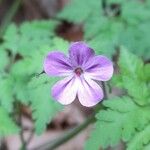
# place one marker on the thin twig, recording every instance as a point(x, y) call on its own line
point(19, 120)
point(56, 143)
point(23, 141)
point(37, 75)
point(30, 137)
point(104, 86)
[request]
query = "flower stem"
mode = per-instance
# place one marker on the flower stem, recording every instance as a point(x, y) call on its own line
point(105, 90)
point(67, 136)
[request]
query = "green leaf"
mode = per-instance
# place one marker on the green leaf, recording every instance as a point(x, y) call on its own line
point(11, 37)
point(32, 64)
point(72, 12)
point(29, 37)
point(7, 126)
point(106, 31)
point(145, 73)
point(10, 32)
point(4, 59)
point(129, 63)
point(36, 90)
point(136, 37)
point(133, 77)
point(59, 45)
point(140, 140)
point(6, 93)
point(137, 89)
point(43, 105)
point(101, 24)
point(106, 37)
point(115, 2)
point(132, 16)
point(103, 46)
point(38, 29)
point(121, 121)
point(32, 42)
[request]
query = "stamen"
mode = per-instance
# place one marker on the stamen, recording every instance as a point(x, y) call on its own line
point(78, 71)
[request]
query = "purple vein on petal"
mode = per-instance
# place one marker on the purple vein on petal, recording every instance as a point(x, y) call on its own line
point(57, 64)
point(65, 90)
point(80, 53)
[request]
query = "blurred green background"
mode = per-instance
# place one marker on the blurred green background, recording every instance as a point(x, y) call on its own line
point(29, 29)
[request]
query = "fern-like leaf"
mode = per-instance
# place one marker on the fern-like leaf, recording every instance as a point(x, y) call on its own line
point(121, 121)
point(43, 105)
point(141, 140)
point(7, 126)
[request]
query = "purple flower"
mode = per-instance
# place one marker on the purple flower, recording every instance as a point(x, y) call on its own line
point(80, 70)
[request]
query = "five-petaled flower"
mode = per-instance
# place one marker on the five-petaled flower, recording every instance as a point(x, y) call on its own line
point(80, 71)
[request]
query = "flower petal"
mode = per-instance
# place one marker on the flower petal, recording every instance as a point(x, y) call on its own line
point(57, 64)
point(65, 91)
point(89, 92)
point(80, 53)
point(99, 68)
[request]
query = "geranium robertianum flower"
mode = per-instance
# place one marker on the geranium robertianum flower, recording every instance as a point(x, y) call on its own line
point(80, 70)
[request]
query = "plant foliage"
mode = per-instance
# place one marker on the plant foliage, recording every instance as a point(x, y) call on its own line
point(7, 126)
point(125, 118)
point(108, 24)
point(23, 49)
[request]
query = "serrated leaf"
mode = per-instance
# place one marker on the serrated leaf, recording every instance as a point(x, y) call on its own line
point(7, 126)
point(133, 32)
point(137, 89)
point(12, 37)
point(43, 106)
point(75, 8)
point(131, 78)
point(29, 37)
point(140, 140)
point(59, 45)
point(4, 59)
point(145, 73)
point(102, 47)
point(104, 35)
point(38, 29)
point(121, 121)
point(133, 16)
point(36, 40)
point(129, 63)
point(6, 93)
point(136, 37)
